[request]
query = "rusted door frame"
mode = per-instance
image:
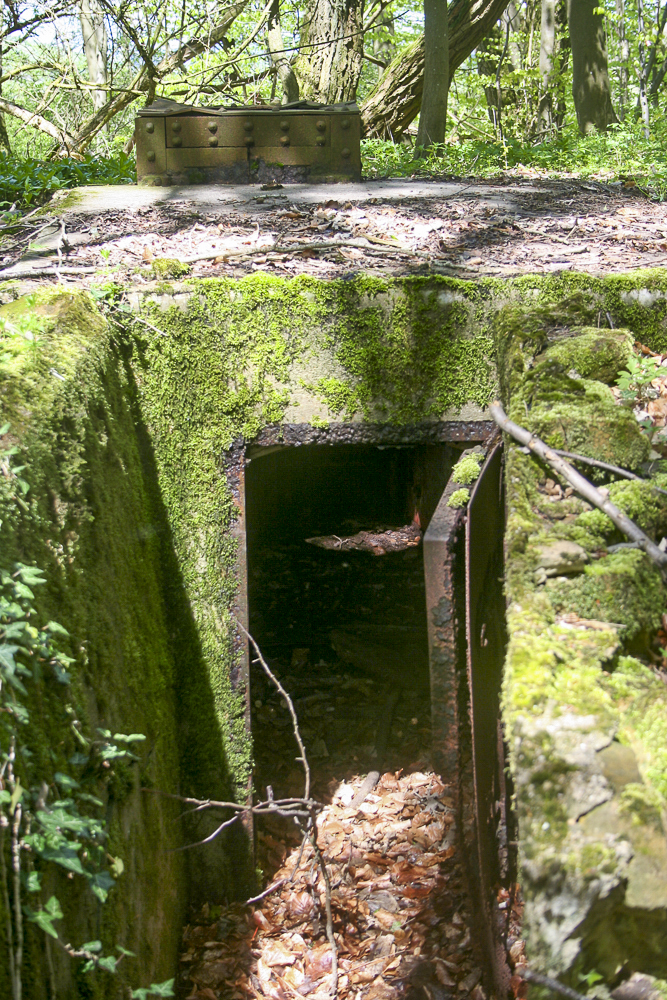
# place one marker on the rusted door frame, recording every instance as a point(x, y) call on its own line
point(485, 653)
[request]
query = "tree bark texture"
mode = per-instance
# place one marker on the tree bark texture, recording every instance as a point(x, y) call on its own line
point(94, 33)
point(331, 53)
point(280, 58)
point(547, 56)
point(395, 102)
point(433, 113)
point(590, 74)
point(624, 61)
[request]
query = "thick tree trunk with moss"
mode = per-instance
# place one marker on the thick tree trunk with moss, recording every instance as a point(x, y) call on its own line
point(433, 114)
point(590, 74)
point(331, 51)
point(395, 102)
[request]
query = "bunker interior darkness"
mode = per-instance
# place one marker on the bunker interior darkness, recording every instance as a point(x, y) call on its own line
point(346, 631)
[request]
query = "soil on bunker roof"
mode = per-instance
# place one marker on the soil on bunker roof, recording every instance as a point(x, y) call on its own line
point(479, 228)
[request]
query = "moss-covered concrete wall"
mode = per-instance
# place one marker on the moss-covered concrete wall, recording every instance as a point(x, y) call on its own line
point(134, 451)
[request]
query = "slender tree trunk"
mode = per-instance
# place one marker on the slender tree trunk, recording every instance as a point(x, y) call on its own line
point(332, 50)
point(547, 57)
point(590, 74)
point(94, 32)
point(641, 51)
point(279, 57)
point(563, 59)
point(4, 137)
point(433, 112)
point(624, 51)
point(395, 102)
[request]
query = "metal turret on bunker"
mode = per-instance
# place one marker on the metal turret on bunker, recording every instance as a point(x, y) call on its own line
point(292, 143)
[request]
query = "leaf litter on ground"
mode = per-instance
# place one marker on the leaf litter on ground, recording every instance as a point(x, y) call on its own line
point(400, 913)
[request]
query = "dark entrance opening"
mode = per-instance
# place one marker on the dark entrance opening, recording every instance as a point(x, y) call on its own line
point(345, 630)
point(385, 671)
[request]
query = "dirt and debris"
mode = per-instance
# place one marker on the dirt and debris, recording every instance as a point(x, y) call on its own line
point(477, 229)
point(400, 911)
point(378, 542)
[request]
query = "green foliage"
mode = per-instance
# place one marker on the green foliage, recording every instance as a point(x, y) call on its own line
point(621, 153)
point(28, 182)
point(635, 381)
point(53, 819)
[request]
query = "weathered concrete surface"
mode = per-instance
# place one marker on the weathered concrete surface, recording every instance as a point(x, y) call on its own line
point(392, 227)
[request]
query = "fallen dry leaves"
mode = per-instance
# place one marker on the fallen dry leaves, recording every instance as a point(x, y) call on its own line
point(399, 909)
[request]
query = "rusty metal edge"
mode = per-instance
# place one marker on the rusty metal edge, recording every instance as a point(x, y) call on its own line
point(446, 431)
point(493, 947)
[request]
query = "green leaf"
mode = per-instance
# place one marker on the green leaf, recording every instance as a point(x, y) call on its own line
point(109, 963)
point(117, 867)
point(44, 918)
point(101, 883)
point(132, 738)
point(32, 881)
point(43, 921)
point(4, 429)
point(65, 781)
point(124, 951)
point(53, 908)
point(56, 628)
point(165, 989)
point(16, 796)
point(93, 946)
point(65, 857)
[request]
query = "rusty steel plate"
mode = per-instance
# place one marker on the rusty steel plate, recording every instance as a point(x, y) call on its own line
point(486, 641)
point(286, 142)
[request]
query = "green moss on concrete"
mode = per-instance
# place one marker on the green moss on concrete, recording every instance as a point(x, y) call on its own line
point(166, 267)
point(408, 349)
point(569, 688)
point(593, 353)
point(90, 525)
point(625, 585)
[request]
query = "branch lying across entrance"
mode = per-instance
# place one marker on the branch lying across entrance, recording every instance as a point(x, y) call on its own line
point(580, 484)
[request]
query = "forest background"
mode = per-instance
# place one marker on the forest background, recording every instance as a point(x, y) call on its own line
point(530, 86)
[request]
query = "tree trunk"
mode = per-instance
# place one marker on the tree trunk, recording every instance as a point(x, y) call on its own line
point(433, 112)
point(395, 101)
point(641, 48)
point(4, 136)
point(331, 52)
point(547, 55)
point(279, 57)
point(94, 32)
point(590, 74)
point(624, 51)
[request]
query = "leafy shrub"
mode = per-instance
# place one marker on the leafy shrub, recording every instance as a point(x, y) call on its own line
point(28, 182)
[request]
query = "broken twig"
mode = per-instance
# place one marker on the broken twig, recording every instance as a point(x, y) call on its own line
point(290, 705)
point(615, 469)
point(580, 484)
point(551, 984)
point(327, 903)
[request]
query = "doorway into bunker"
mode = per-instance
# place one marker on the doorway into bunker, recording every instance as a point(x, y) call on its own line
point(345, 629)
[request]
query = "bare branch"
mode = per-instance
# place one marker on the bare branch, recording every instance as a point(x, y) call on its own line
point(290, 704)
point(580, 484)
point(38, 122)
